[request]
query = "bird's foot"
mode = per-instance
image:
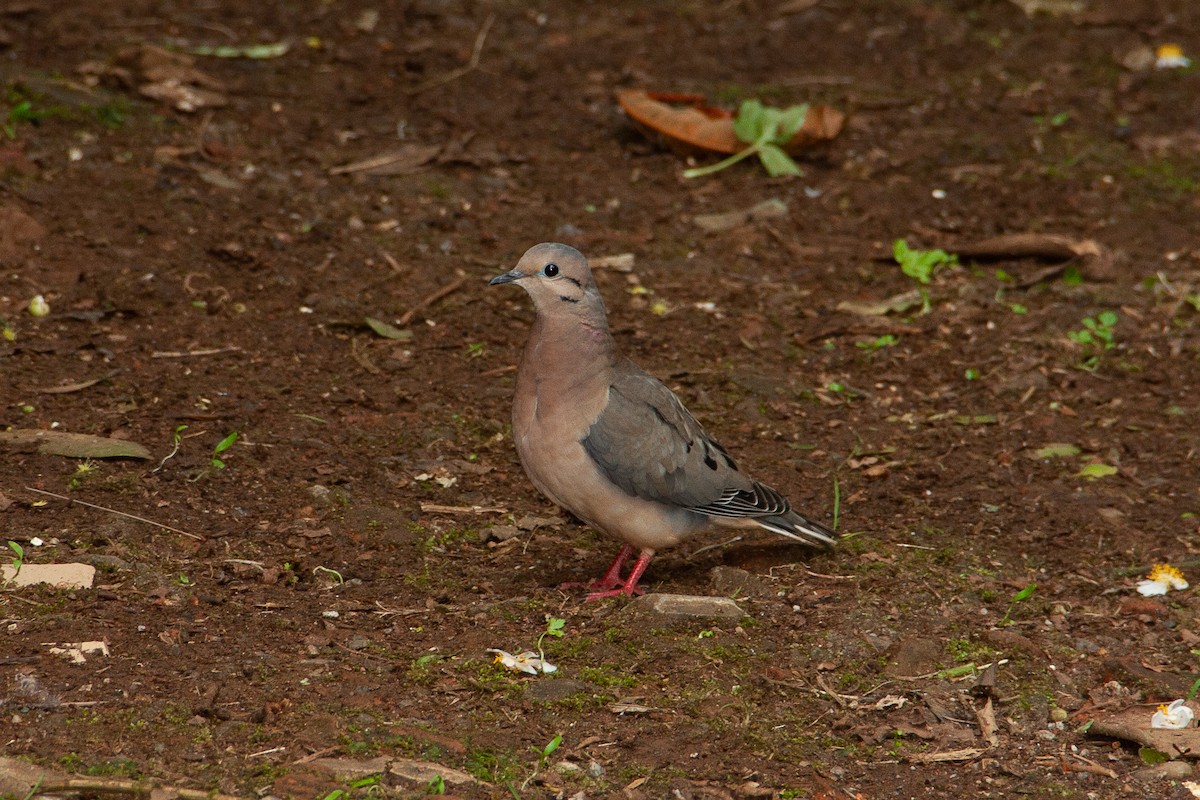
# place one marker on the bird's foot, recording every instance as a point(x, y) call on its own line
point(611, 577)
point(630, 587)
point(625, 590)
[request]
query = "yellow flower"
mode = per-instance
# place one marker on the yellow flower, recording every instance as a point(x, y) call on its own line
point(1172, 717)
point(1170, 56)
point(1162, 579)
point(528, 662)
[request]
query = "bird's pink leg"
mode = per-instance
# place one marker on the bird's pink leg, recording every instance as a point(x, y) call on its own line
point(630, 587)
point(611, 576)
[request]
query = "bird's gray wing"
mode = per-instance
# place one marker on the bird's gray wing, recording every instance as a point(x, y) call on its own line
point(648, 444)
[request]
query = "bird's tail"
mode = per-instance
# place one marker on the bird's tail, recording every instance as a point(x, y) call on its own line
point(798, 528)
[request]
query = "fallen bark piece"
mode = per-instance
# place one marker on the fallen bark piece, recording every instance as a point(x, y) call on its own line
point(71, 445)
point(62, 576)
point(687, 126)
point(897, 304)
point(1133, 725)
point(1096, 260)
point(21, 779)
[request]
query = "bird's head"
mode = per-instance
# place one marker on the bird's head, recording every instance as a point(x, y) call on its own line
point(558, 279)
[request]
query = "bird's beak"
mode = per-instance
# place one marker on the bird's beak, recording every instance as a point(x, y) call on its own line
point(508, 277)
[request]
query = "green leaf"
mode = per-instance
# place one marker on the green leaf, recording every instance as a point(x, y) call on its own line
point(1094, 471)
point(1150, 756)
point(748, 124)
point(1057, 450)
point(1107, 318)
point(791, 120)
point(777, 162)
point(1025, 593)
point(554, 743)
point(225, 443)
point(555, 626)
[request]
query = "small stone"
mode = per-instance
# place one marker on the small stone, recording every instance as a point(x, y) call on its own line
point(358, 643)
point(684, 606)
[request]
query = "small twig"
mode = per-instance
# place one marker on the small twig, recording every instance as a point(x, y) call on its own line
point(398, 612)
point(715, 546)
point(448, 289)
point(267, 752)
point(393, 263)
point(471, 65)
point(118, 513)
point(76, 387)
point(435, 508)
point(212, 351)
point(1088, 766)
point(314, 755)
point(837, 698)
point(492, 373)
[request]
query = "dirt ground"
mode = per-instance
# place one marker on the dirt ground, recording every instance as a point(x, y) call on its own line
point(310, 609)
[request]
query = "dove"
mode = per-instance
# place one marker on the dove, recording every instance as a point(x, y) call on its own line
point(611, 444)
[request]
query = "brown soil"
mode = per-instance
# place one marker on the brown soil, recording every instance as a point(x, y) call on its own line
point(214, 269)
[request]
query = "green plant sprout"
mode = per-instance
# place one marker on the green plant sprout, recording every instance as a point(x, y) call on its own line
point(543, 755)
point(1095, 335)
point(1096, 331)
point(221, 447)
point(176, 440)
point(1020, 596)
point(83, 470)
point(765, 130)
point(554, 627)
point(333, 573)
point(371, 783)
point(436, 786)
point(887, 340)
point(921, 266)
point(18, 557)
point(21, 111)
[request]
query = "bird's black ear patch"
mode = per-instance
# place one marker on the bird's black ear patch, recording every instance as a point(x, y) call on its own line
point(566, 299)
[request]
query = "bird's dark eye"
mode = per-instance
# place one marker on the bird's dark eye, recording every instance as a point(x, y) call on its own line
point(550, 270)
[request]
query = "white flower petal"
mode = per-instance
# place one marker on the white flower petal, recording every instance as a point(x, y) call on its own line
point(522, 662)
point(1149, 588)
point(1177, 716)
